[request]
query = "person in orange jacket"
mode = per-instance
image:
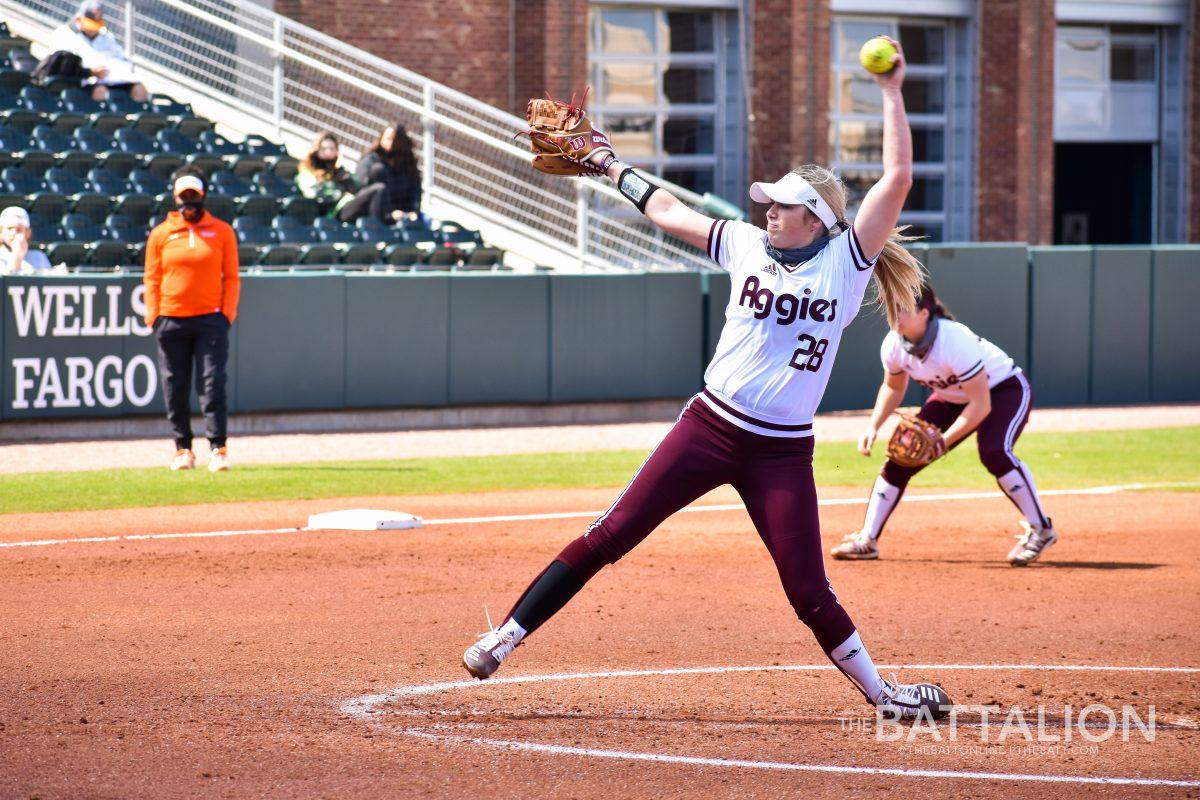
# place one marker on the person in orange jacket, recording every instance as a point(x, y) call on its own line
point(192, 291)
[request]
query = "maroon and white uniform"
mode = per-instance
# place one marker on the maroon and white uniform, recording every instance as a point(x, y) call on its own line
point(956, 356)
point(782, 329)
point(752, 428)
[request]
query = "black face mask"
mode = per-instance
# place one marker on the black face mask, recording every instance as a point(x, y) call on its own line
point(191, 210)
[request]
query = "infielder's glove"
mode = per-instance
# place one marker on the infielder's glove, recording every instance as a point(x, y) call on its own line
point(915, 442)
point(563, 140)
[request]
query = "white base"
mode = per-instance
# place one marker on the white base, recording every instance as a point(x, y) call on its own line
point(363, 519)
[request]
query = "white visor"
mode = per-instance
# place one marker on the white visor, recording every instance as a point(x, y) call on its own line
point(187, 182)
point(792, 190)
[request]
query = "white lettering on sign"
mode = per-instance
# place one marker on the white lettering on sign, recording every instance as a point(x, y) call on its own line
point(108, 382)
point(76, 311)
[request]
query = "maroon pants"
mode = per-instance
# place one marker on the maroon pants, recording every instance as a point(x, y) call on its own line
point(1012, 400)
point(774, 477)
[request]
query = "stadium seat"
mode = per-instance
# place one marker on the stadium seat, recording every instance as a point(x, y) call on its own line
point(248, 254)
point(403, 256)
point(13, 140)
point(364, 255)
point(301, 209)
point(80, 162)
point(99, 117)
point(146, 182)
point(419, 236)
point(81, 195)
point(331, 231)
point(80, 228)
point(442, 258)
point(372, 230)
point(484, 258)
point(131, 140)
point(170, 140)
point(162, 164)
point(252, 231)
point(260, 146)
point(22, 118)
point(92, 140)
point(320, 255)
point(17, 180)
point(288, 230)
point(12, 81)
point(455, 234)
point(221, 207)
point(215, 143)
point(51, 140)
point(269, 183)
point(123, 228)
point(286, 167)
point(19, 58)
point(123, 103)
point(70, 253)
point(35, 98)
point(109, 254)
point(106, 181)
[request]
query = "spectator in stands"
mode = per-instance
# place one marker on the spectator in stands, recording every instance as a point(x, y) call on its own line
point(390, 180)
point(17, 253)
point(88, 37)
point(192, 289)
point(322, 178)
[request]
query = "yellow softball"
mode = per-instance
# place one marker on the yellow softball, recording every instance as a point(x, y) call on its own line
point(876, 55)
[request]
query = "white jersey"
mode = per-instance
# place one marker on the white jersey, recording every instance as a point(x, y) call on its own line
point(957, 355)
point(782, 328)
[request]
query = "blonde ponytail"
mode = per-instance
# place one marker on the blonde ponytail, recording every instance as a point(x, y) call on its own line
point(898, 275)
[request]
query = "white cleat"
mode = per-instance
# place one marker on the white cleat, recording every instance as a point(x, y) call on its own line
point(184, 459)
point(218, 461)
point(908, 700)
point(856, 546)
point(485, 656)
point(1031, 544)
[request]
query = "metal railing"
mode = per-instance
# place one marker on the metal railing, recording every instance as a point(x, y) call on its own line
point(294, 81)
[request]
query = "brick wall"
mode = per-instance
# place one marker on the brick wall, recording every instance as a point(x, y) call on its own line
point(465, 44)
point(789, 63)
point(1015, 121)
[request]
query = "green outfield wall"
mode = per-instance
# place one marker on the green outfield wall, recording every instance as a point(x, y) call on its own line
point(1089, 325)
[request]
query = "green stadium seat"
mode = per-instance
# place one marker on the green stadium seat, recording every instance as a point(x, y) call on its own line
point(80, 228)
point(364, 255)
point(281, 255)
point(443, 258)
point(320, 255)
point(70, 253)
point(403, 255)
point(484, 258)
point(302, 209)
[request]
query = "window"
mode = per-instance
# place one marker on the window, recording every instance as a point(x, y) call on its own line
point(657, 74)
point(856, 124)
point(1106, 83)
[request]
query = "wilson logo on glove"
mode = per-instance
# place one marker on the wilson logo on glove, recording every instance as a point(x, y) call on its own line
point(562, 138)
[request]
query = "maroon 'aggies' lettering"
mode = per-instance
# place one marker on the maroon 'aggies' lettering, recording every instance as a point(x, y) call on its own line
point(787, 307)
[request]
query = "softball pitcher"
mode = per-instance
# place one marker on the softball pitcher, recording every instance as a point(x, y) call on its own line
point(795, 286)
point(976, 388)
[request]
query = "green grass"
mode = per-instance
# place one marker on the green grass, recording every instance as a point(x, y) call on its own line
point(1058, 460)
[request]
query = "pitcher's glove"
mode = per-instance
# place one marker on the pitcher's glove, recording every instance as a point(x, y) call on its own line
point(563, 140)
point(915, 442)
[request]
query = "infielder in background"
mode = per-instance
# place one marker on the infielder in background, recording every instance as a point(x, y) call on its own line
point(795, 287)
point(976, 387)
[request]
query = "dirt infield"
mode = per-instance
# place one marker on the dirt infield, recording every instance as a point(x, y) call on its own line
point(267, 665)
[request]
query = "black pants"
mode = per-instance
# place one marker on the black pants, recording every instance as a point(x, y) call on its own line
point(199, 343)
point(369, 201)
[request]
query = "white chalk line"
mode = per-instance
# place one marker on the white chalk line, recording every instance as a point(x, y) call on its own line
point(365, 707)
point(843, 501)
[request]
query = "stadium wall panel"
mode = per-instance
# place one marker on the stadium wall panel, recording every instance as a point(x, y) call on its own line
point(1175, 336)
point(499, 339)
point(291, 343)
point(1121, 325)
point(1060, 325)
point(397, 340)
